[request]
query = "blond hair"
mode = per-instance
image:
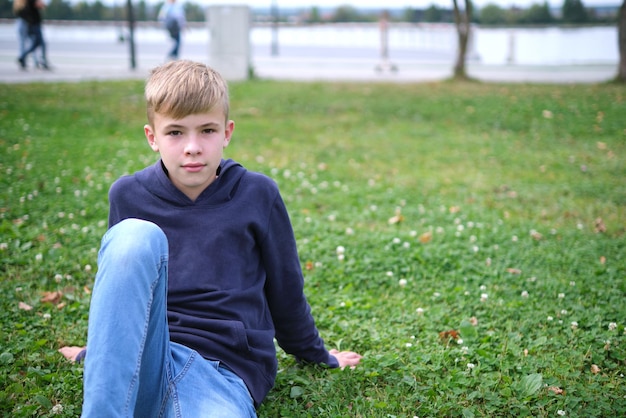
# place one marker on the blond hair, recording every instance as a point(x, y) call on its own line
point(181, 88)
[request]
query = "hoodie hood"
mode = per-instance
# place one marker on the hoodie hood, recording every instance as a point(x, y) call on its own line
point(156, 180)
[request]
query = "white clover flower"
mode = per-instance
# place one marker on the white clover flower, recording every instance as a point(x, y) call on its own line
point(88, 267)
point(483, 297)
point(436, 294)
point(465, 349)
point(402, 282)
point(341, 249)
point(420, 311)
point(396, 241)
point(561, 295)
point(514, 238)
point(349, 231)
point(574, 325)
point(47, 316)
point(550, 318)
point(560, 412)
point(459, 341)
point(3, 246)
point(406, 245)
point(470, 366)
point(39, 257)
point(524, 294)
point(57, 409)
point(389, 273)
point(341, 257)
point(612, 326)
point(563, 311)
point(408, 345)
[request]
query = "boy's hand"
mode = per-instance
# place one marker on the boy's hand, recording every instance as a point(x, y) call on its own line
point(346, 358)
point(70, 353)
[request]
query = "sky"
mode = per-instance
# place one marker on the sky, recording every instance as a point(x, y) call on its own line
point(397, 3)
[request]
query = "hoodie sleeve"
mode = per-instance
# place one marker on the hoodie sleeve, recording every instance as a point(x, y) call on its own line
point(295, 327)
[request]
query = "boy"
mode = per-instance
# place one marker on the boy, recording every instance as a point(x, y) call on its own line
point(198, 272)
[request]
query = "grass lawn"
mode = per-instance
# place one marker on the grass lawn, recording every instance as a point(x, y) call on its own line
point(468, 239)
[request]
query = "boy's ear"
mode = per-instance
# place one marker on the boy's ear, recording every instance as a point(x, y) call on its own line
point(230, 128)
point(147, 129)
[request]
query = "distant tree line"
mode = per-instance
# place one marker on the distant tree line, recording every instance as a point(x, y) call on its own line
point(572, 12)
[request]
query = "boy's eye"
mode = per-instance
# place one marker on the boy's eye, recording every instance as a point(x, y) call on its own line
point(209, 131)
point(174, 133)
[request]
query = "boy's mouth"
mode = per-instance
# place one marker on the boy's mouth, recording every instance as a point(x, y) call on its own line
point(193, 167)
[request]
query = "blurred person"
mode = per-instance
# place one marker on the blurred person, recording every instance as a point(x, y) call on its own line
point(30, 14)
point(172, 16)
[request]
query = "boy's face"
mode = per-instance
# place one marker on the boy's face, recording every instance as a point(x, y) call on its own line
point(191, 148)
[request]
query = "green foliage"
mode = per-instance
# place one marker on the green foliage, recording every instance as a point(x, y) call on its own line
point(492, 14)
point(538, 14)
point(574, 12)
point(492, 210)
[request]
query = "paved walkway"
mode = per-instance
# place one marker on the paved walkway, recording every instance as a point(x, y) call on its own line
point(310, 69)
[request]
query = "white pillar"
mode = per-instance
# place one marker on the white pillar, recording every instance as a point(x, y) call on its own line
point(229, 46)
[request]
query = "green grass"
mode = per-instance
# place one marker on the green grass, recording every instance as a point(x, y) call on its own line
point(512, 200)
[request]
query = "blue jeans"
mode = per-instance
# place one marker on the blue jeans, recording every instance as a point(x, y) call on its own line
point(132, 369)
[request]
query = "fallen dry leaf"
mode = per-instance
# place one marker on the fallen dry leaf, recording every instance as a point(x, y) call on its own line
point(600, 226)
point(397, 218)
point(446, 336)
point(513, 271)
point(595, 369)
point(52, 297)
point(557, 390)
point(24, 306)
point(426, 237)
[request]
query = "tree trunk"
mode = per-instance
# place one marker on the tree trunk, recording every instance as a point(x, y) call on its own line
point(462, 22)
point(621, 30)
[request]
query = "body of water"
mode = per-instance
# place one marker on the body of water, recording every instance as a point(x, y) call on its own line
point(437, 43)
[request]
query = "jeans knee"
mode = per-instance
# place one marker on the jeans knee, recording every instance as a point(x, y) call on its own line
point(135, 239)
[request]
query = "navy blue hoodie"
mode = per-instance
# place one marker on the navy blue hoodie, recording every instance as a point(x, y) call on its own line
point(235, 281)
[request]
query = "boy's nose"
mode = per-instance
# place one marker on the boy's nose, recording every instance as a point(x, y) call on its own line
point(193, 146)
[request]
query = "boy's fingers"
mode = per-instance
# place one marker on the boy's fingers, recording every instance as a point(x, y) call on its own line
point(346, 358)
point(71, 352)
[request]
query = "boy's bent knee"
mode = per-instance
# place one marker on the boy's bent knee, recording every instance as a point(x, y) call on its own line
point(135, 238)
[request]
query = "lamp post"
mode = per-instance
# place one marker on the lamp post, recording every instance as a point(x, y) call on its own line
point(131, 32)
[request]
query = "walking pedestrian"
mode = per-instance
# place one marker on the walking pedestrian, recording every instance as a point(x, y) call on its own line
point(172, 16)
point(31, 15)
